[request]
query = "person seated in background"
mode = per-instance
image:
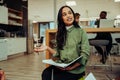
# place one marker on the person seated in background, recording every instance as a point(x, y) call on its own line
point(2, 75)
point(77, 17)
point(103, 36)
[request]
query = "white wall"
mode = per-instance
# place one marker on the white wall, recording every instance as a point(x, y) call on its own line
point(43, 10)
point(92, 8)
point(3, 15)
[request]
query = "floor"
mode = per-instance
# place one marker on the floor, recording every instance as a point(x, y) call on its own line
point(30, 67)
point(109, 71)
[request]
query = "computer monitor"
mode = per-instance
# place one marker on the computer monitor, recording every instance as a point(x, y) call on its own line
point(106, 23)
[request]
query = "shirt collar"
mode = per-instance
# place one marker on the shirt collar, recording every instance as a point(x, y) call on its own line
point(67, 27)
point(70, 28)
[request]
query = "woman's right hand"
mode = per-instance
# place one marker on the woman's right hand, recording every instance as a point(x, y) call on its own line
point(40, 49)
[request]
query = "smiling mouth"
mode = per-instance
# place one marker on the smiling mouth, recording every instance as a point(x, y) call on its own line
point(69, 19)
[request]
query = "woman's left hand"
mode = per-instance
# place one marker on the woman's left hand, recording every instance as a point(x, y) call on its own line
point(72, 66)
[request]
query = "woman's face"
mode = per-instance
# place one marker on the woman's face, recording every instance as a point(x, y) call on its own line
point(67, 16)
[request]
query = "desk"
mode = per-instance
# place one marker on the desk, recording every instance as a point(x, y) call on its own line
point(50, 34)
point(94, 30)
point(90, 30)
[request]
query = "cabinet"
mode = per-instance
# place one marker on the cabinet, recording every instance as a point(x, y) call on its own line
point(18, 47)
point(11, 46)
point(50, 35)
point(15, 17)
point(84, 22)
point(3, 15)
point(3, 52)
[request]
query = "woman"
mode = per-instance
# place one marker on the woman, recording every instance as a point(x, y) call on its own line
point(72, 42)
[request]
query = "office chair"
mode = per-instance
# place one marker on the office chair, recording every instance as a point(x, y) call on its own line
point(102, 44)
point(118, 41)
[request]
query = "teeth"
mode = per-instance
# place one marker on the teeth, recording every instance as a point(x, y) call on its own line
point(69, 19)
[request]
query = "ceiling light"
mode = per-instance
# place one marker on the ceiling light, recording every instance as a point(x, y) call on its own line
point(118, 16)
point(34, 21)
point(71, 3)
point(117, 0)
point(24, 0)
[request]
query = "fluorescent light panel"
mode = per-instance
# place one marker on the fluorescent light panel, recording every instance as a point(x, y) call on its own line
point(34, 21)
point(118, 16)
point(71, 3)
point(117, 0)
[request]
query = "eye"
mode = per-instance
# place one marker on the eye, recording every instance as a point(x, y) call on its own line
point(70, 12)
point(64, 14)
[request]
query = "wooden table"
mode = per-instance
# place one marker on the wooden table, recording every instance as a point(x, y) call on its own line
point(94, 30)
point(90, 30)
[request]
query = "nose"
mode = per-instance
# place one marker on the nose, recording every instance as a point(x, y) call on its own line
point(68, 15)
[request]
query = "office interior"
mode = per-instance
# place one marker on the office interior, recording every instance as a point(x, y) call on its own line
point(22, 22)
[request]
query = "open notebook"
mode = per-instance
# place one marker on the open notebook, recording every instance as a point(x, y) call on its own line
point(63, 65)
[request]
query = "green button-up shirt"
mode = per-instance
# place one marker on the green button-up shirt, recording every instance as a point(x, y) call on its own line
point(76, 45)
